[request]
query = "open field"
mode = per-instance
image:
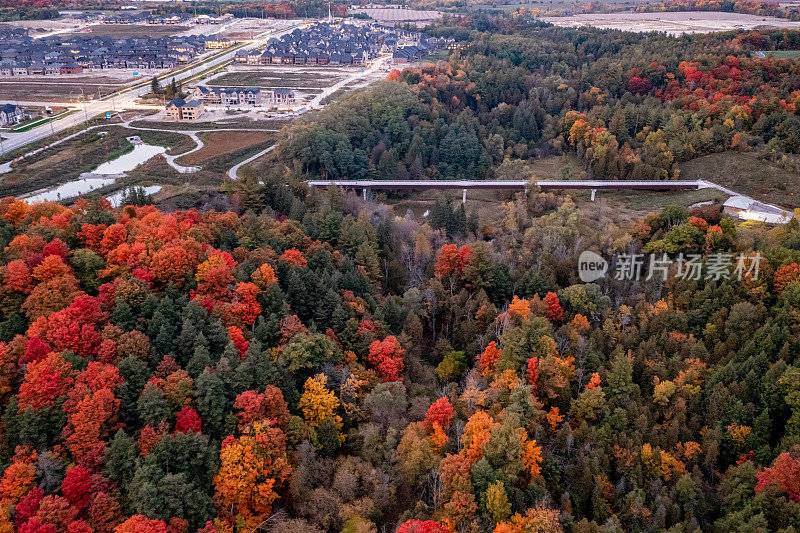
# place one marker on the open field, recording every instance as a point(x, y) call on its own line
point(781, 54)
point(280, 77)
point(747, 174)
point(123, 31)
point(674, 23)
point(246, 29)
point(43, 27)
point(67, 88)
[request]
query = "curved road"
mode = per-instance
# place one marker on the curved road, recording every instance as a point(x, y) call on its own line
point(233, 172)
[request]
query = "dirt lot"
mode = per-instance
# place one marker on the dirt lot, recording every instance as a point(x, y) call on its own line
point(67, 88)
point(220, 143)
point(247, 28)
point(672, 23)
point(268, 77)
point(123, 31)
point(252, 118)
point(37, 27)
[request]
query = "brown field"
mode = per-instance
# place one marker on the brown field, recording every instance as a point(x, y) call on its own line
point(123, 31)
point(220, 143)
point(674, 23)
point(61, 88)
point(280, 77)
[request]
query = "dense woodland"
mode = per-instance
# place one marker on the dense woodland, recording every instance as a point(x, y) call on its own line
point(343, 369)
point(631, 106)
point(314, 363)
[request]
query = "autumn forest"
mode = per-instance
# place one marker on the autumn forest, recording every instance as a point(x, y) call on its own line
point(310, 361)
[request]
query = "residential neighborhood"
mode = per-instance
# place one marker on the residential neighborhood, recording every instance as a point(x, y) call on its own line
point(169, 19)
point(21, 55)
point(326, 43)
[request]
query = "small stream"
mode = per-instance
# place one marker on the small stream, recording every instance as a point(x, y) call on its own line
point(105, 174)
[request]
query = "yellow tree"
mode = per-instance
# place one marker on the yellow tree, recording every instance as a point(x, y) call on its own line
point(318, 403)
point(251, 468)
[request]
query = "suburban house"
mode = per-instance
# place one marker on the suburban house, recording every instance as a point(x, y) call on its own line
point(227, 96)
point(179, 109)
point(11, 114)
point(218, 42)
point(283, 96)
point(409, 54)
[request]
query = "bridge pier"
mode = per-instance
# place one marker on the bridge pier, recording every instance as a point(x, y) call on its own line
point(593, 193)
point(364, 192)
point(464, 197)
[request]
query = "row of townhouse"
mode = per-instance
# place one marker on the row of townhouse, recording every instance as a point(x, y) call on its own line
point(20, 55)
point(294, 57)
point(410, 54)
point(326, 43)
point(166, 19)
point(242, 96)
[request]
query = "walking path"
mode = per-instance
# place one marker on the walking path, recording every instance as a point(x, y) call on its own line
point(232, 173)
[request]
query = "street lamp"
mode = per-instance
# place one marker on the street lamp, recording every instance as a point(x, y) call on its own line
point(85, 105)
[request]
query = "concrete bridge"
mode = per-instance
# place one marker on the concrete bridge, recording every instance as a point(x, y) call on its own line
point(517, 185)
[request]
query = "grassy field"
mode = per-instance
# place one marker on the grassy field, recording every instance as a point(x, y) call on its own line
point(783, 54)
point(747, 174)
point(274, 79)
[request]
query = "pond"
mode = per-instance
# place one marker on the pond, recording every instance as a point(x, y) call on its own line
point(104, 175)
point(129, 161)
point(68, 190)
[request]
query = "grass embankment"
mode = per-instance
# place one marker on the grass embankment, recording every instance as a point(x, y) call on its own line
point(747, 174)
point(25, 127)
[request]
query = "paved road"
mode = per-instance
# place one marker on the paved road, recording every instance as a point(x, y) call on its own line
point(125, 97)
point(316, 102)
point(233, 172)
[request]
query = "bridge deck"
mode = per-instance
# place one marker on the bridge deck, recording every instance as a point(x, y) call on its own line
point(508, 184)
